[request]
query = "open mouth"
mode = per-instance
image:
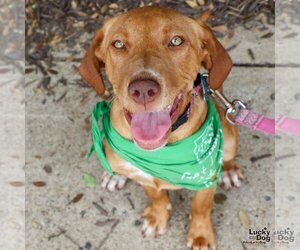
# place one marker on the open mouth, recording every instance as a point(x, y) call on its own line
point(150, 130)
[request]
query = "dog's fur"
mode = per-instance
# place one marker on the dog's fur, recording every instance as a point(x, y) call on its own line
point(146, 32)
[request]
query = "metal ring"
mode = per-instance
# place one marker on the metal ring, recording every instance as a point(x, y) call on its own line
point(230, 111)
point(233, 111)
point(239, 102)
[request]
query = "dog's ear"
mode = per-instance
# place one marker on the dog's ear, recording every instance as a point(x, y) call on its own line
point(90, 65)
point(216, 59)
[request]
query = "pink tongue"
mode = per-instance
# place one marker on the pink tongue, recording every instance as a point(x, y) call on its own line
point(150, 129)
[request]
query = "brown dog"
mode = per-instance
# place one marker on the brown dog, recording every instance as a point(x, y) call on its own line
point(151, 56)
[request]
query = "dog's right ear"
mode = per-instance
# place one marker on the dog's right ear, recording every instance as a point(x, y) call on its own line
point(90, 65)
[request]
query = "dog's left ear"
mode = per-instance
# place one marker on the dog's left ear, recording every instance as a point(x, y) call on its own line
point(216, 59)
point(90, 65)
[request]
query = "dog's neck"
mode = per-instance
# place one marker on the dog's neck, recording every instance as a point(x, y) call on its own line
point(194, 122)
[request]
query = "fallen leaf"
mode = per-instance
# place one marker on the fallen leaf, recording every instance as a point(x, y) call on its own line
point(77, 198)
point(192, 4)
point(36, 224)
point(201, 2)
point(267, 35)
point(39, 183)
point(220, 198)
point(113, 6)
point(55, 40)
point(103, 9)
point(83, 154)
point(78, 24)
point(94, 16)
point(52, 71)
point(48, 169)
point(29, 70)
point(17, 183)
point(244, 219)
point(220, 28)
point(101, 223)
point(89, 180)
point(87, 124)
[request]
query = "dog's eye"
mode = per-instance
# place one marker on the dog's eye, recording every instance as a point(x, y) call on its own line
point(176, 41)
point(119, 44)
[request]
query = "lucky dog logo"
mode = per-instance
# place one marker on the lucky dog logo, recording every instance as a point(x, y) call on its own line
point(262, 236)
point(284, 236)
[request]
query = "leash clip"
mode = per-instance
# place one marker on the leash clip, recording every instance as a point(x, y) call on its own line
point(204, 86)
point(232, 108)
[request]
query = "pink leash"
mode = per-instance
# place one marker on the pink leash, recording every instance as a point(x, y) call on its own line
point(255, 121)
point(288, 125)
point(237, 113)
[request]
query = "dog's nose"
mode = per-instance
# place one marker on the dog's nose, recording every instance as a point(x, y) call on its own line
point(143, 91)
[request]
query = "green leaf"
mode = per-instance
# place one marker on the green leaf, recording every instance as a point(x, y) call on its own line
point(89, 180)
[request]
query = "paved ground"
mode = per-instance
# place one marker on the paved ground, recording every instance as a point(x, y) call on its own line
point(62, 213)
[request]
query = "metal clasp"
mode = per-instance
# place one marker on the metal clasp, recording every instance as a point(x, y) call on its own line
point(232, 108)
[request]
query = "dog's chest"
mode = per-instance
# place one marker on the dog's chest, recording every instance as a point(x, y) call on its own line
point(134, 172)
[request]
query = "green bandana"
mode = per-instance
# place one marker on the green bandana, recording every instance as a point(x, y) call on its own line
point(194, 162)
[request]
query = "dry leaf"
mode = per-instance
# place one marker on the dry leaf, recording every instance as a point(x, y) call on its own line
point(103, 9)
point(220, 28)
point(80, 13)
point(244, 219)
point(94, 16)
point(17, 183)
point(192, 4)
point(77, 198)
point(87, 124)
point(78, 24)
point(39, 183)
point(201, 2)
point(36, 224)
point(113, 6)
point(267, 35)
point(74, 4)
point(53, 71)
point(220, 198)
point(48, 169)
point(83, 154)
point(101, 223)
point(55, 40)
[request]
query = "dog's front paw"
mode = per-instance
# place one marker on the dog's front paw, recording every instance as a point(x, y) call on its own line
point(156, 219)
point(201, 235)
point(231, 176)
point(231, 179)
point(113, 182)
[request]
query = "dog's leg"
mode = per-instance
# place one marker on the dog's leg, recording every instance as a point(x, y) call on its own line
point(231, 173)
point(157, 213)
point(112, 183)
point(201, 234)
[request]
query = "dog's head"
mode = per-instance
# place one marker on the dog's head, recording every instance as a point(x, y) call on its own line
point(152, 56)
